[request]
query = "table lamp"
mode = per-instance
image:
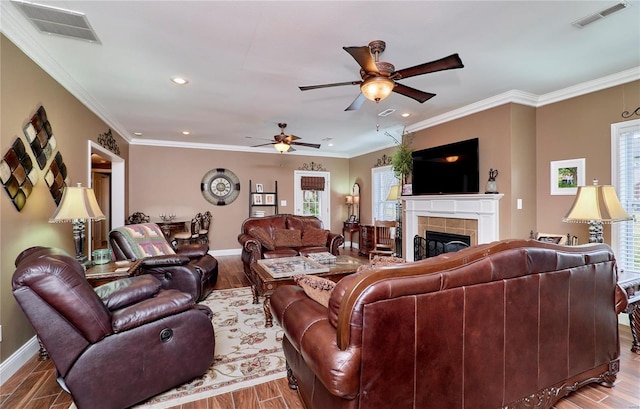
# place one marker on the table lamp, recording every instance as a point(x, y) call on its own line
point(596, 204)
point(349, 201)
point(77, 205)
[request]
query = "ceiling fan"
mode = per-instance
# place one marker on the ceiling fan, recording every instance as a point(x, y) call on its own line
point(283, 142)
point(379, 77)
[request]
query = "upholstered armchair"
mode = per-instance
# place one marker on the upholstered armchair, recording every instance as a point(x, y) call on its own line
point(189, 268)
point(115, 345)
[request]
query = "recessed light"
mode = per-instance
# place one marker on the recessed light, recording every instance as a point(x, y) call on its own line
point(179, 80)
point(137, 133)
point(186, 132)
point(406, 115)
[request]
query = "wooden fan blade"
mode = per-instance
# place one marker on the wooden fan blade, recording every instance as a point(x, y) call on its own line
point(416, 94)
point(335, 84)
point(446, 63)
point(357, 103)
point(263, 144)
point(310, 145)
point(362, 55)
point(290, 138)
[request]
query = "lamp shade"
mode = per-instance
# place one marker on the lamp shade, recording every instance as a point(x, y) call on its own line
point(377, 88)
point(281, 147)
point(349, 199)
point(596, 203)
point(77, 203)
point(394, 193)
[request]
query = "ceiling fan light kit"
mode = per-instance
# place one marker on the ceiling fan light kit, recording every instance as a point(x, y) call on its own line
point(281, 147)
point(377, 88)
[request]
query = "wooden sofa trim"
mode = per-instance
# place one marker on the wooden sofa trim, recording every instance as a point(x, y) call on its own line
point(437, 264)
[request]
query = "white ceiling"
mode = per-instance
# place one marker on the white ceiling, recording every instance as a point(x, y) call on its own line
point(245, 61)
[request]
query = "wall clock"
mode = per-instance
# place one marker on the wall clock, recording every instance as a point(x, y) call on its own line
point(220, 186)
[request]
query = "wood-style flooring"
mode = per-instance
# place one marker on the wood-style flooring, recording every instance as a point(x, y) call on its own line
point(34, 385)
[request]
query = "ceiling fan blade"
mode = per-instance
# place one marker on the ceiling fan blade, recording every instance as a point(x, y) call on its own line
point(446, 63)
point(310, 145)
point(263, 144)
point(357, 103)
point(290, 138)
point(362, 55)
point(335, 84)
point(416, 94)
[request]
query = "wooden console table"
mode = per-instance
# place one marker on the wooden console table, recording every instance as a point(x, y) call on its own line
point(630, 282)
point(351, 227)
point(171, 228)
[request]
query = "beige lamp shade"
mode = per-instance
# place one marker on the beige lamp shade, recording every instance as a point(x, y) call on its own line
point(281, 147)
point(394, 193)
point(77, 203)
point(377, 88)
point(596, 203)
point(349, 199)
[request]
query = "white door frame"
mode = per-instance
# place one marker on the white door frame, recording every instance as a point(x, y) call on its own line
point(325, 195)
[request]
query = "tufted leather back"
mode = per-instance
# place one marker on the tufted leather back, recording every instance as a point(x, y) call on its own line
point(281, 221)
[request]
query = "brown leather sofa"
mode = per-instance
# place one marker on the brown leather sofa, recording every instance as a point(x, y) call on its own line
point(189, 268)
point(115, 345)
point(513, 324)
point(254, 249)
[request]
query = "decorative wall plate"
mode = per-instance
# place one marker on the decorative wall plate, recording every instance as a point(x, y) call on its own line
point(220, 186)
point(17, 174)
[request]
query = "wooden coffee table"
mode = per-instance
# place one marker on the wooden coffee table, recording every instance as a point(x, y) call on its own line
point(264, 284)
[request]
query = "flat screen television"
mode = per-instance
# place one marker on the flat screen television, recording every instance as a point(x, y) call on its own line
point(446, 169)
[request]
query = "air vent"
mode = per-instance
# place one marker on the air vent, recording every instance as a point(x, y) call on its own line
point(57, 21)
point(600, 14)
point(387, 112)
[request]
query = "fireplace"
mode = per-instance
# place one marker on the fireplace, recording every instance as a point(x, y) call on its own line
point(475, 215)
point(435, 243)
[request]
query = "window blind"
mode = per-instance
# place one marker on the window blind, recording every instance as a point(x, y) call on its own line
point(312, 183)
point(628, 189)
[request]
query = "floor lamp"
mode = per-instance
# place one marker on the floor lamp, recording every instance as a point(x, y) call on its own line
point(78, 204)
point(596, 204)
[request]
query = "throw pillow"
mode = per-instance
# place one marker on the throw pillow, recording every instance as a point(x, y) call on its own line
point(317, 288)
point(263, 237)
point(288, 238)
point(315, 237)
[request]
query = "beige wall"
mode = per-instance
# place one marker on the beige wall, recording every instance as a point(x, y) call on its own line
point(23, 88)
point(578, 128)
point(168, 180)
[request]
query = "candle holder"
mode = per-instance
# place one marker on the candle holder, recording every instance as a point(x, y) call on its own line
point(167, 218)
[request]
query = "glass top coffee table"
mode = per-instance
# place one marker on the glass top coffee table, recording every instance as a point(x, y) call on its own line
point(263, 283)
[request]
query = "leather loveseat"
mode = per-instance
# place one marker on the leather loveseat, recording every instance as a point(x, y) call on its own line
point(117, 344)
point(284, 235)
point(513, 324)
point(189, 268)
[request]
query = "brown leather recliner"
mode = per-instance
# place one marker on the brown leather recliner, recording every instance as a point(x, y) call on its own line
point(512, 324)
point(253, 249)
point(189, 268)
point(115, 345)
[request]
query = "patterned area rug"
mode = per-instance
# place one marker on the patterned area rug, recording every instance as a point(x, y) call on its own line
point(246, 352)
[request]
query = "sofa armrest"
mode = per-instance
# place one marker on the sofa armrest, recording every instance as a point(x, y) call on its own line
point(334, 241)
point(166, 303)
point(164, 261)
point(121, 293)
point(192, 250)
point(250, 245)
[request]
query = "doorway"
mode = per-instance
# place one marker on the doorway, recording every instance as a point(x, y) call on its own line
point(313, 202)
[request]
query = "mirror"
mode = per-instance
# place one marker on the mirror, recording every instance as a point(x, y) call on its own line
point(355, 192)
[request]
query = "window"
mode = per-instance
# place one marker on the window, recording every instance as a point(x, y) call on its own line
point(382, 179)
point(625, 175)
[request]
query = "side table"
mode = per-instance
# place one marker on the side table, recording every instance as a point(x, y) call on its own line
point(351, 227)
point(104, 273)
point(630, 282)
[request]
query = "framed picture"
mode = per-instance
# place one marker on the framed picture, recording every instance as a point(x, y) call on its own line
point(257, 199)
point(352, 219)
point(269, 199)
point(259, 187)
point(566, 176)
point(407, 189)
point(552, 238)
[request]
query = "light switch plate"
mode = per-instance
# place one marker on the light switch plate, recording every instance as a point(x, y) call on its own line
point(283, 203)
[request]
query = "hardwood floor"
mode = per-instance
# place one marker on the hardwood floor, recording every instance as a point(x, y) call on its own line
point(34, 385)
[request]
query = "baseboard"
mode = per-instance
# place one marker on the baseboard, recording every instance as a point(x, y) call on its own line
point(17, 360)
point(227, 252)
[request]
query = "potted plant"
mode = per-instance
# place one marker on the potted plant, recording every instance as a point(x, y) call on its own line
point(401, 160)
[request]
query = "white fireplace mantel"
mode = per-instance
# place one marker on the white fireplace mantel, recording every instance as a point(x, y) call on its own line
point(481, 207)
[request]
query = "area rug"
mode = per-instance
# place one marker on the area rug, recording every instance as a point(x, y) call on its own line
point(246, 353)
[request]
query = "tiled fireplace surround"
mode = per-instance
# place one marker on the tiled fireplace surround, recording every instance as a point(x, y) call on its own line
point(474, 215)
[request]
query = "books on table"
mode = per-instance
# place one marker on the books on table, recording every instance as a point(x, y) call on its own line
point(324, 257)
point(290, 266)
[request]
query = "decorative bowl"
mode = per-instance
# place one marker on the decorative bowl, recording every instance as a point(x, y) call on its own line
point(101, 256)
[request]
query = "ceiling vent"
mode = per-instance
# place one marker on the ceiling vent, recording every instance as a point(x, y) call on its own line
point(387, 112)
point(600, 14)
point(57, 21)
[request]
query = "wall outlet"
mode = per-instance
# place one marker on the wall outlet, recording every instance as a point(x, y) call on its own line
point(283, 203)
point(519, 204)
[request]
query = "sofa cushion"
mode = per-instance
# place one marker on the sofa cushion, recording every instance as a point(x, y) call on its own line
point(263, 237)
point(288, 238)
point(314, 237)
point(317, 288)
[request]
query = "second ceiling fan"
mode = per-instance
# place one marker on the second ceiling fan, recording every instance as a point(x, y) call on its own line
point(283, 142)
point(379, 78)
